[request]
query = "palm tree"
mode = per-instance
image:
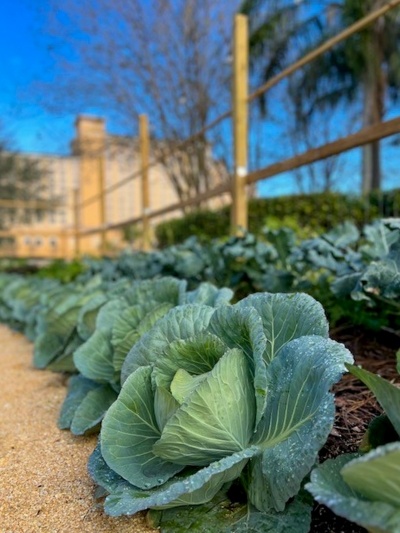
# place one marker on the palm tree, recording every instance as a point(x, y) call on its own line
point(365, 67)
point(277, 28)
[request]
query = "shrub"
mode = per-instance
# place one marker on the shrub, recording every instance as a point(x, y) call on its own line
point(310, 213)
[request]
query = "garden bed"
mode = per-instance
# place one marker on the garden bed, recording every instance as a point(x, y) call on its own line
point(355, 407)
point(43, 481)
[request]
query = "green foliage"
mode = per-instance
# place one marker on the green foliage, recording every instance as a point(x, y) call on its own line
point(204, 225)
point(233, 517)
point(365, 490)
point(290, 222)
point(353, 272)
point(380, 431)
point(64, 271)
point(387, 394)
point(199, 400)
point(57, 336)
point(374, 276)
point(305, 214)
point(118, 321)
point(203, 403)
point(202, 399)
point(131, 233)
point(17, 266)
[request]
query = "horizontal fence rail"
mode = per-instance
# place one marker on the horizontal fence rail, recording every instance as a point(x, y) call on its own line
point(217, 191)
point(361, 138)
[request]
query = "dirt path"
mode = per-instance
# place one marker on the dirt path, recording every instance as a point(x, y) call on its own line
point(44, 486)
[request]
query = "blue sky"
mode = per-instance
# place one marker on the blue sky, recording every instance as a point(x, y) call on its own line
point(24, 59)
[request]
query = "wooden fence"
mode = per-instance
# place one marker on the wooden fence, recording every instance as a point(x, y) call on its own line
point(241, 178)
point(239, 113)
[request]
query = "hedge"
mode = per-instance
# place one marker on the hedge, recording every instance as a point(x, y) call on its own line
point(305, 213)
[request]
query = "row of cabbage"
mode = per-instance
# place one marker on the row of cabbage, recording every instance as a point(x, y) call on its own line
point(195, 397)
point(348, 270)
point(355, 274)
point(211, 414)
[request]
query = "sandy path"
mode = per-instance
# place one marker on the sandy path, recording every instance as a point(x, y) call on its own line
point(43, 481)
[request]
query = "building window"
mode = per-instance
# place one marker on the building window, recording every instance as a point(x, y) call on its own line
point(53, 242)
point(27, 241)
point(38, 241)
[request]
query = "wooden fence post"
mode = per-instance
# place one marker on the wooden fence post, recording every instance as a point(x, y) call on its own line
point(240, 124)
point(77, 250)
point(144, 162)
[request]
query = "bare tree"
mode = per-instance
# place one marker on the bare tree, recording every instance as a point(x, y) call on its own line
point(166, 58)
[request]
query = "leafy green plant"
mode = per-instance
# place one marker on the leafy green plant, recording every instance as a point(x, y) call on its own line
point(64, 271)
point(65, 314)
point(354, 274)
point(21, 301)
point(318, 213)
point(302, 231)
point(219, 398)
point(375, 281)
point(363, 489)
point(366, 489)
point(119, 324)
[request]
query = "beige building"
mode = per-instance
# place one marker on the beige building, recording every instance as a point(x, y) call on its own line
point(48, 233)
point(98, 160)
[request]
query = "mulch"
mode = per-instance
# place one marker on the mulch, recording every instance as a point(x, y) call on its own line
point(355, 408)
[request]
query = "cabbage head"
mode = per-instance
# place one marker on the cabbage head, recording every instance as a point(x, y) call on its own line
point(215, 400)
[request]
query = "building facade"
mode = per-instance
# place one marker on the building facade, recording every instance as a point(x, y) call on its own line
point(98, 161)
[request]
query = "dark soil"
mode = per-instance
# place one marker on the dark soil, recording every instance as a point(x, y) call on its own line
point(355, 408)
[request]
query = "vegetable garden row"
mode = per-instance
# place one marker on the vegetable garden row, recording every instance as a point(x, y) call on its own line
point(207, 371)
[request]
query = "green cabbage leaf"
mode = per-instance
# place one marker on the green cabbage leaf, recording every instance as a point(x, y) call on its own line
point(213, 396)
